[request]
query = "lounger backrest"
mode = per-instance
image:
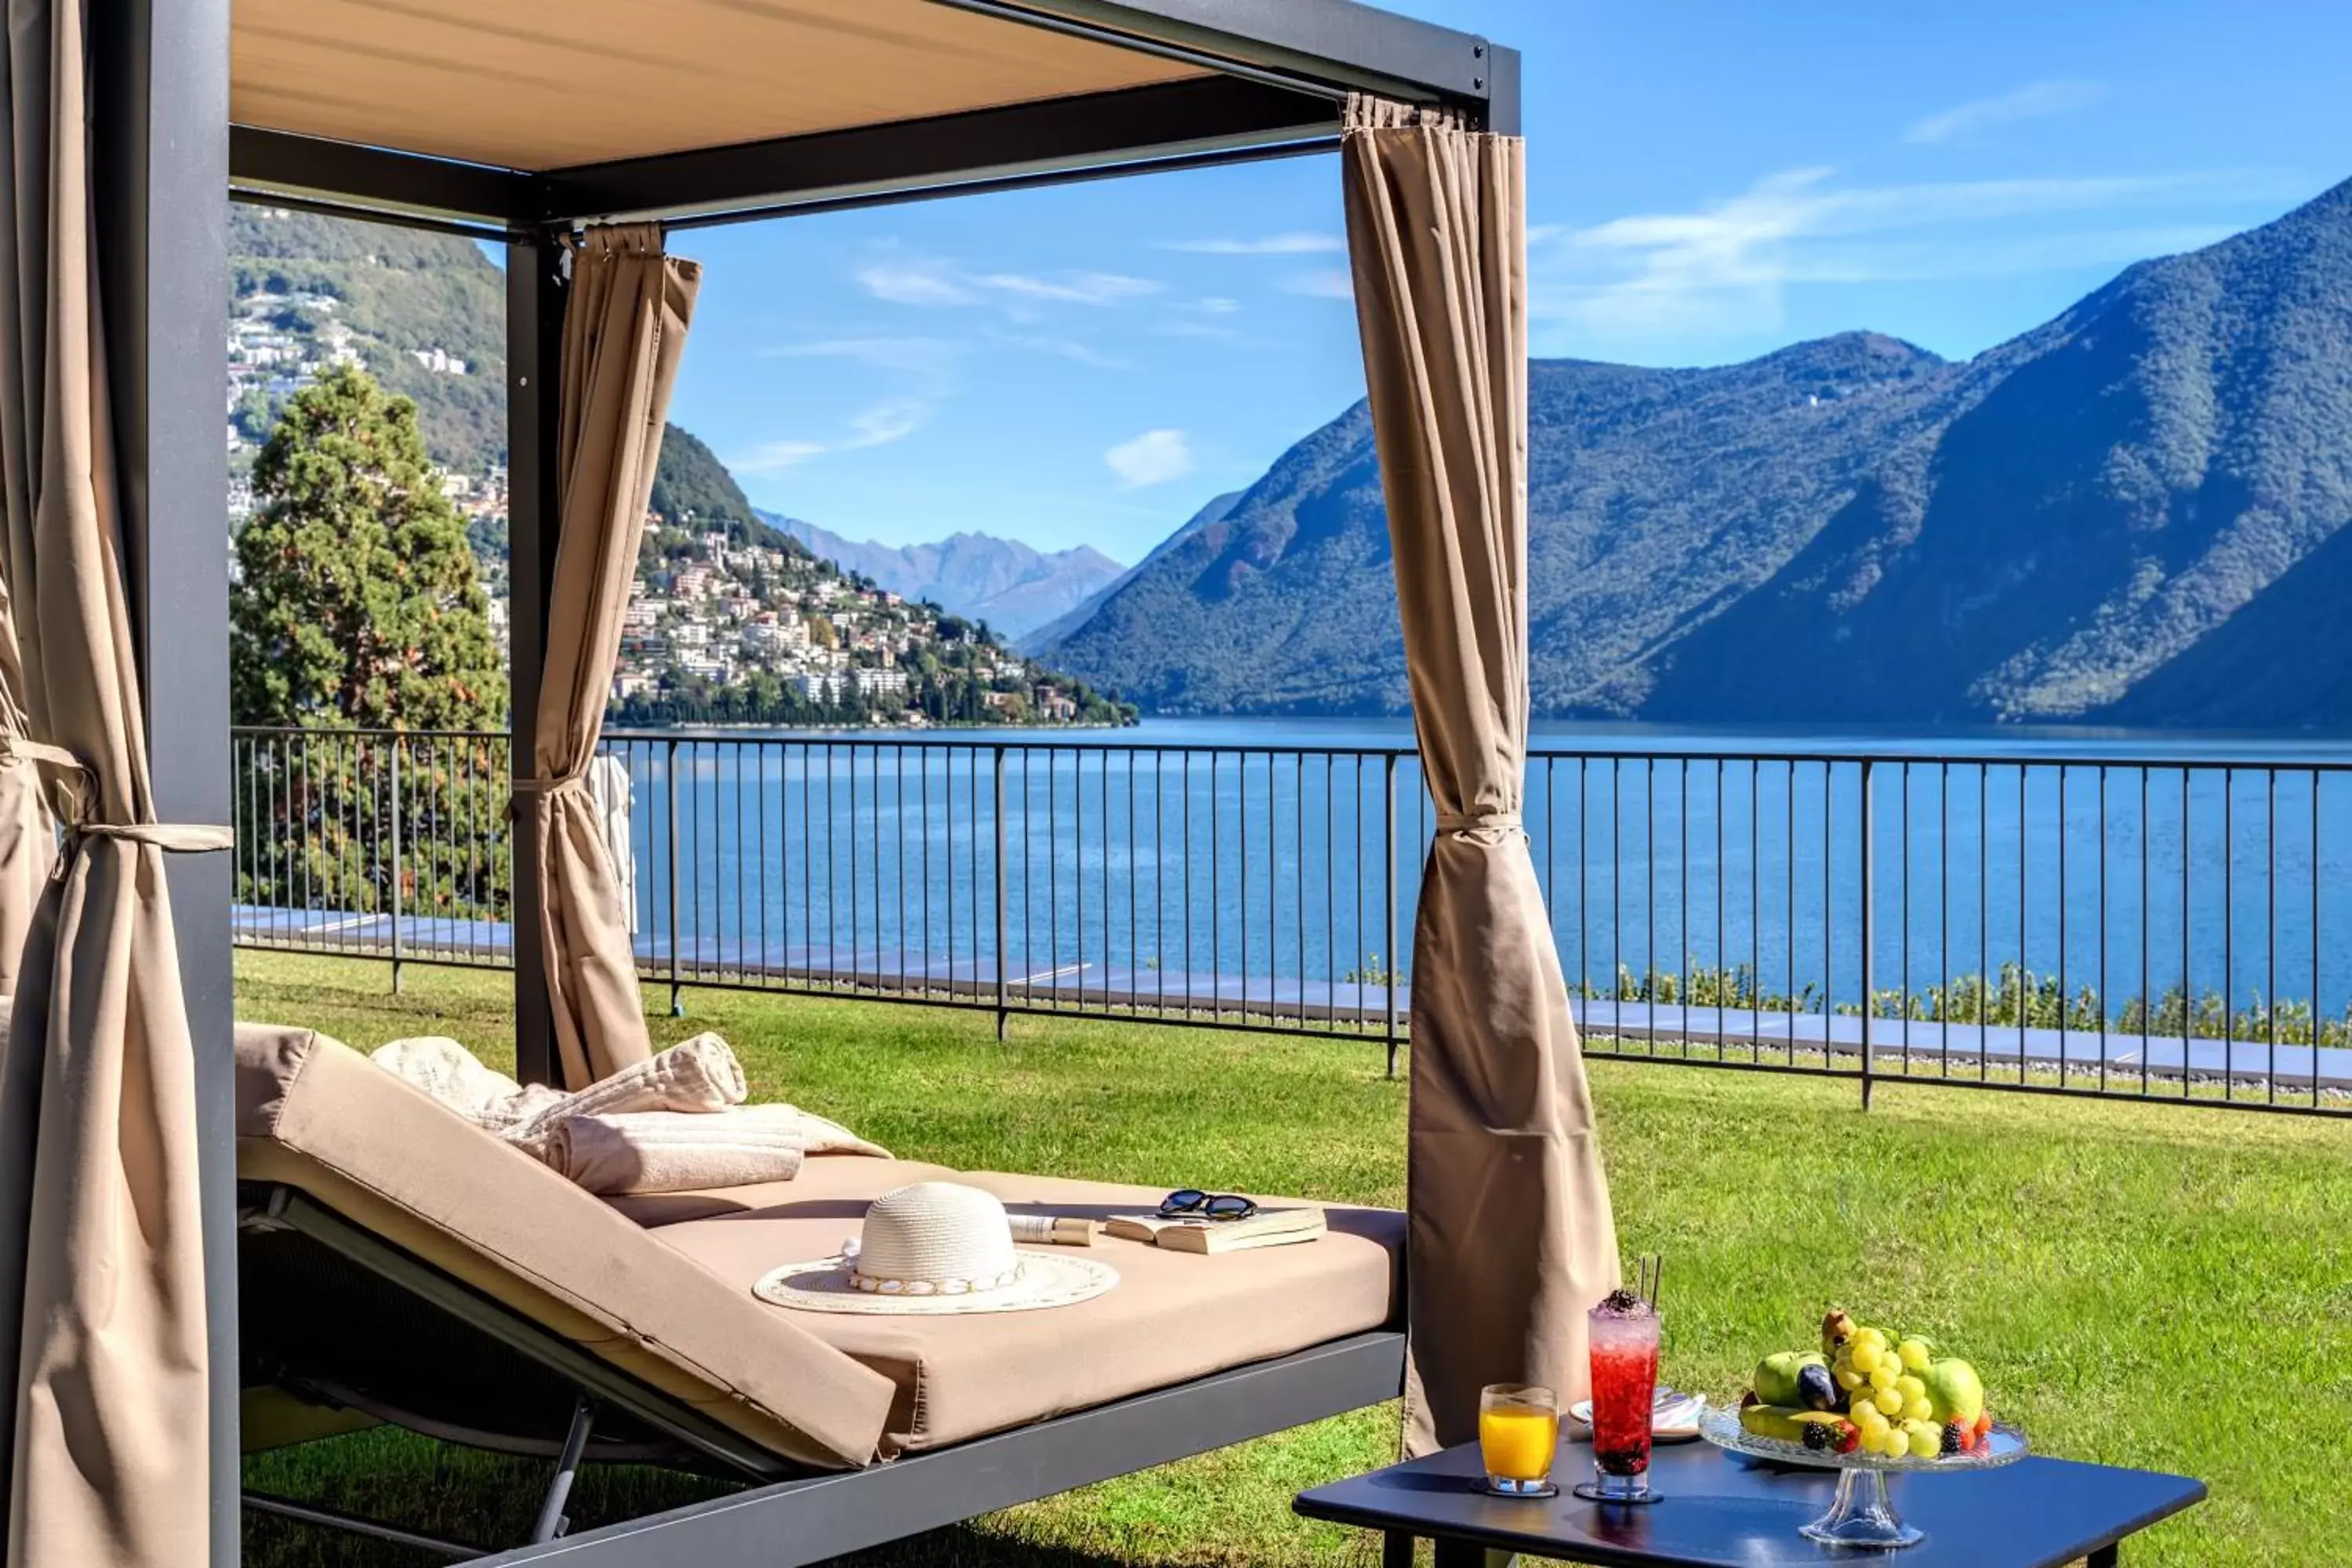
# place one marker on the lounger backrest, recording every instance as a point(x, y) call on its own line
point(314, 1114)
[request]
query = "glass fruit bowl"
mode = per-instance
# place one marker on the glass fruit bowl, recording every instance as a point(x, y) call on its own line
point(1862, 1514)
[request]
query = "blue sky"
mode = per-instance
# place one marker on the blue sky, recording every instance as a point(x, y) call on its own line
point(1709, 180)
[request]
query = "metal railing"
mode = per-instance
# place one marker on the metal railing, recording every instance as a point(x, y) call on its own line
point(2143, 927)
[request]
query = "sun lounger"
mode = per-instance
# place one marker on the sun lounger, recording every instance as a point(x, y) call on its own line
point(400, 1264)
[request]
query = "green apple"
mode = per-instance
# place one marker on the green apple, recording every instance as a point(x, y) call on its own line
point(1955, 1393)
point(1776, 1375)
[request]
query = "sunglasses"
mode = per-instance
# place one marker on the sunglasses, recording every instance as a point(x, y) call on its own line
point(1191, 1203)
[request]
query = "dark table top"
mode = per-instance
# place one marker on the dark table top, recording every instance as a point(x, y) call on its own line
point(1726, 1510)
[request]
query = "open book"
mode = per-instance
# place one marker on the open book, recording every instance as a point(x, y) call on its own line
point(1267, 1228)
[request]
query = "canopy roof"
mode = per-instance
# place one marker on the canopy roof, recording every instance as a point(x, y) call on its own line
point(527, 111)
point(542, 86)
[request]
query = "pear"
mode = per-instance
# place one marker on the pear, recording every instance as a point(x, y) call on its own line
point(1955, 1393)
point(1777, 1374)
point(1836, 1328)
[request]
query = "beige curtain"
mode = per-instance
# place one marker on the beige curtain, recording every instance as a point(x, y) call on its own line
point(98, 1121)
point(623, 329)
point(1510, 1237)
point(28, 834)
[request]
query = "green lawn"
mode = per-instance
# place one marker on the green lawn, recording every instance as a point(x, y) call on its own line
point(2160, 1286)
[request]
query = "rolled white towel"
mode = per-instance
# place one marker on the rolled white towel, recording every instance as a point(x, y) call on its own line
point(670, 1152)
point(700, 1076)
point(452, 1076)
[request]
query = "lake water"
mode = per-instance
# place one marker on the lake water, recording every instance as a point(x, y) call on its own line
point(1186, 850)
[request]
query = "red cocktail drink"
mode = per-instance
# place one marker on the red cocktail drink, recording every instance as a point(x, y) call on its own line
point(1624, 1338)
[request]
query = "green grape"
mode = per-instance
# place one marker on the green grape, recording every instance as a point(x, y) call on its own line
point(1882, 1376)
point(1924, 1443)
point(1889, 1402)
point(1918, 1408)
point(1913, 1354)
point(1848, 1378)
point(1912, 1387)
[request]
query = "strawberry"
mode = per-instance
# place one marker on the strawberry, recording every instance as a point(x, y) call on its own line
point(1849, 1438)
point(1984, 1423)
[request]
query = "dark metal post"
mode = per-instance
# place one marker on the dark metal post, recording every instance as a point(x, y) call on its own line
point(159, 114)
point(534, 342)
point(1869, 923)
point(1388, 900)
point(1002, 996)
point(394, 742)
point(669, 784)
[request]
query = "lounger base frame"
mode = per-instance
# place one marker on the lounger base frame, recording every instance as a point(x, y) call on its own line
point(820, 1517)
point(783, 1520)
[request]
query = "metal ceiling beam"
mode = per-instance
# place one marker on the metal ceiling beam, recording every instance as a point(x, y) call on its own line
point(380, 179)
point(1334, 43)
point(1201, 116)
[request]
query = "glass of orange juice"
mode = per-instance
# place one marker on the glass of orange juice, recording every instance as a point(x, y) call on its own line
point(1519, 1433)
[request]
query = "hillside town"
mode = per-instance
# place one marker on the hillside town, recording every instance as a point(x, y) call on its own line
point(724, 626)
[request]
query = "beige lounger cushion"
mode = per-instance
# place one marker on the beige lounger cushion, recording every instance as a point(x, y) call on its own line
point(1172, 1316)
point(315, 1114)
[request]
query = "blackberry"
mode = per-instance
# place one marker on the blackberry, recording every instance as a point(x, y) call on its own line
point(1956, 1438)
point(1819, 1438)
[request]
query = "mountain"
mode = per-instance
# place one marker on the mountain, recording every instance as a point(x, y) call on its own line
point(1070, 620)
point(2131, 514)
point(693, 489)
point(1013, 586)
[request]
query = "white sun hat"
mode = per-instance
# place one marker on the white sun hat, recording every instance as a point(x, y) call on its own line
point(937, 1248)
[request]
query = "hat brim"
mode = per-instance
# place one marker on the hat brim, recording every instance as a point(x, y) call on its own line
point(1050, 1277)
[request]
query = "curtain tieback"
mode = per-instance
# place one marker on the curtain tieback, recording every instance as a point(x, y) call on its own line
point(1478, 822)
point(573, 783)
point(563, 784)
point(171, 838)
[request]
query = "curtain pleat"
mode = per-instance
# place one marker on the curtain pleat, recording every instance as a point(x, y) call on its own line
point(101, 1250)
point(1510, 1237)
point(623, 329)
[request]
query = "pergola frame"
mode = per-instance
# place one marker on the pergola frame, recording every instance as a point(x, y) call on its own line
point(166, 150)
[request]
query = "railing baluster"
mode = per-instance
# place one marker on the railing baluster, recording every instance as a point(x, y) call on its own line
point(1002, 999)
point(1389, 840)
point(396, 866)
point(1869, 894)
point(669, 796)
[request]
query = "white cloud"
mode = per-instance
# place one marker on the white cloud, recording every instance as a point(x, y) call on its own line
point(1325, 283)
point(1725, 268)
point(911, 355)
point(1297, 244)
point(885, 423)
point(1071, 287)
point(2034, 101)
point(898, 278)
point(1153, 457)
point(774, 457)
point(1070, 348)
point(913, 283)
point(878, 426)
point(1216, 305)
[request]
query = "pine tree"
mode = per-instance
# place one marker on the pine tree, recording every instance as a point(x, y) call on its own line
point(360, 604)
point(360, 608)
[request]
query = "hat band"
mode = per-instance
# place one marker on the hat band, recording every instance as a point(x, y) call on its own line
point(883, 1286)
